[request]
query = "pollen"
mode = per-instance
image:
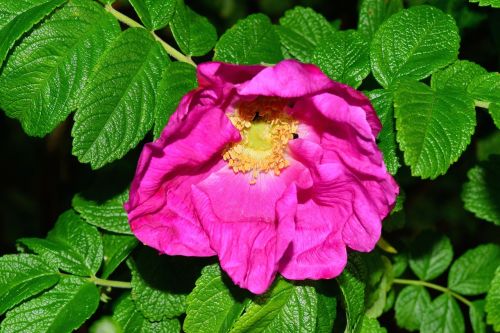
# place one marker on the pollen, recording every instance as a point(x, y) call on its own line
point(265, 130)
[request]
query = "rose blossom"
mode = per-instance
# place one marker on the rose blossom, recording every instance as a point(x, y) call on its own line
point(272, 169)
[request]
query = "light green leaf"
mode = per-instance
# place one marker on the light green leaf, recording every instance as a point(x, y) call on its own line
point(494, 110)
point(492, 3)
point(17, 17)
point(371, 325)
point(456, 76)
point(374, 12)
point(481, 194)
point(109, 215)
point(116, 106)
point(252, 40)
point(285, 308)
point(376, 294)
point(433, 127)
point(352, 286)
point(178, 78)
point(153, 289)
point(492, 300)
point(62, 309)
point(344, 57)
point(212, 306)
point(472, 273)
point(413, 43)
point(22, 276)
point(443, 316)
point(477, 316)
point(486, 88)
point(73, 245)
point(194, 34)
point(411, 304)
point(430, 255)
point(382, 101)
point(155, 14)
point(105, 324)
point(327, 312)
point(132, 321)
point(43, 78)
point(116, 249)
point(301, 30)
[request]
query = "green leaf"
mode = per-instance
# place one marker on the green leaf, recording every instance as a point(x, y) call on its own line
point(116, 106)
point(22, 276)
point(155, 14)
point(494, 110)
point(105, 324)
point(443, 316)
point(492, 3)
point(371, 325)
point(153, 289)
point(344, 57)
point(17, 17)
point(374, 12)
point(352, 286)
point(382, 101)
point(481, 194)
point(476, 314)
point(252, 40)
point(376, 294)
point(472, 273)
point(301, 30)
point(430, 255)
point(212, 306)
point(109, 215)
point(486, 88)
point(116, 249)
point(327, 312)
point(194, 34)
point(43, 78)
point(62, 309)
point(413, 43)
point(285, 308)
point(459, 75)
point(492, 300)
point(411, 304)
point(433, 127)
point(177, 80)
point(132, 321)
point(73, 245)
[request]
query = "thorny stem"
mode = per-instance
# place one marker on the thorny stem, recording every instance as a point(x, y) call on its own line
point(435, 287)
point(134, 24)
point(110, 283)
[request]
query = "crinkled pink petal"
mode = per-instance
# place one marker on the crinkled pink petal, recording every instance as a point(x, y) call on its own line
point(245, 228)
point(212, 74)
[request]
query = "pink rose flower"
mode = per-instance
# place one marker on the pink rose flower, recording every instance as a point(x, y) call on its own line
point(272, 169)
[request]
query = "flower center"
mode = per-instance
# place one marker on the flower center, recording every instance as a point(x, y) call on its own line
point(265, 131)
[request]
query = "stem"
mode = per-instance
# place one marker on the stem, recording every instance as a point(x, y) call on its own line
point(482, 104)
point(384, 245)
point(134, 24)
point(110, 283)
point(435, 287)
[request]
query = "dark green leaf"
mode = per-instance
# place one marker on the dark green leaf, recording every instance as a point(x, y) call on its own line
point(155, 14)
point(443, 316)
point(22, 276)
point(433, 127)
point(481, 194)
point(43, 78)
point(117, 104)
point(62, 309)
point(430, 255)
point(109, 215)
point(411, 304)
point(456, 76)
point(301, 30)
point(178, 78)
point(327, 312)
point(17, 17)
point(376, 293)
point(116, 249)
point(374, 12)
point(285, 308)
point(344, 57)
point(472, 273)
point(476, 314)
point(382, 100)
point(194, 33)
point(352, 285)
point(212, 306)
point(492, 300)
point(132, 321)
point(252, 40)
point(413, 43)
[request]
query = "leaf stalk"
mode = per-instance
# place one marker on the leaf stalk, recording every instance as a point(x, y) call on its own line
point(435, 287)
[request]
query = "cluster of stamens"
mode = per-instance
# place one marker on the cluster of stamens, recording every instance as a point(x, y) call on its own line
point(265, 131)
